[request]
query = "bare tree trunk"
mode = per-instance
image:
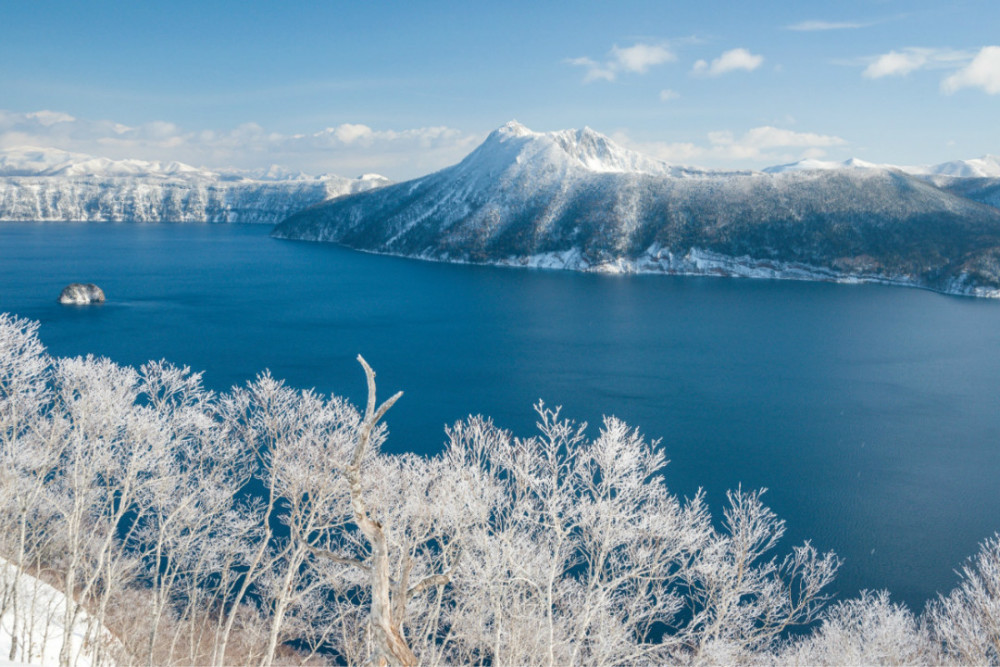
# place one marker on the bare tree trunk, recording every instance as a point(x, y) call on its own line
point(391, 647)
point(296, 553)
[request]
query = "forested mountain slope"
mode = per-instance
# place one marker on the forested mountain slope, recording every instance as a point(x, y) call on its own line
point(575, 200)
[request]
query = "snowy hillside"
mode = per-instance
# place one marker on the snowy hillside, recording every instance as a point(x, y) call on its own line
point(575, 200)
point(46, 185)
point(826, 165)
point(987, 166)
point(977, 179)
point(32, 624)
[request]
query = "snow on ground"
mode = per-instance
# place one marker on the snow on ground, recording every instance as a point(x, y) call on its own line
point(38, 627)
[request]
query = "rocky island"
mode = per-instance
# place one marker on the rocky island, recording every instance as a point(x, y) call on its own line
point(81, 294)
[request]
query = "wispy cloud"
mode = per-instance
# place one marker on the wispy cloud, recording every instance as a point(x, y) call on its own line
point(755, 143)
point(682, 152)
point(636, 59)
point(347, 149)
point(640, 57)
point(761, 146)
point(972, 69)
point(595, 70)
point(730, 61)
point(816, 26)
point(912, 59)
point(666, 95)
point(983, 72)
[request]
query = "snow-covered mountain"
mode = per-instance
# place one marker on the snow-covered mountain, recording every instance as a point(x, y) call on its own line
point(977, 179)
point(987, 166)
point(826, 165)
point(575, 200)
point(45, 184)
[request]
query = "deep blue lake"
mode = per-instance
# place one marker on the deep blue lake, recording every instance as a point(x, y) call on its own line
point(871, 413)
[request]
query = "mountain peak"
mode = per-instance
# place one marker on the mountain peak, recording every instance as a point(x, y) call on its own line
point(598, 153)
point(584, 149)
point(987, 166)
point(575, 199)
point(512, 128)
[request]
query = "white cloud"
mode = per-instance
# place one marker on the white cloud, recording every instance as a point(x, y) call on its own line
point(760, 140)
point(760, 146)
point(730, 61)
point(46, 118)
point(983, 72)
point(813, 26)
point(666, 95)
point(640, 57)
point(895, 63)
point(348, 149)
point(676, 152)
point(350, 133)
point(595, 70)
point(911, 59)
point(637, 59)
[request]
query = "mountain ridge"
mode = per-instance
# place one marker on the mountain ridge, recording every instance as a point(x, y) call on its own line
point(54, 162)
point(987, 166)
point(39, 184)
point(525, 198)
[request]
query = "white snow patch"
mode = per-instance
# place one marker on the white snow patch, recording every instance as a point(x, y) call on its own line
point(698, 262)
point(38, 627)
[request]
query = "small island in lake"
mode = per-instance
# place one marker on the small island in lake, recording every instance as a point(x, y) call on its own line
point(81, 294)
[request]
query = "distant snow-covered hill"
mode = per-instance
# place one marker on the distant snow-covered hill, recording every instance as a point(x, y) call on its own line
point(987, 166)
point(575, 200)
point(46, 185)
point(826, 165)
point(977, 179)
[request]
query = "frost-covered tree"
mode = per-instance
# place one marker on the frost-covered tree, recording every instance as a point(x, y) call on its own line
point(29, 451)
point(582, 550)
point(742, 600)
point(380, 532)
point(585, 557)
point(265, 525)
point(112, 481)
point(869, 630)
point(966, 622)
point(189, 531)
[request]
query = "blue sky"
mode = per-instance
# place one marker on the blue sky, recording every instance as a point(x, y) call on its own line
point(405, 88)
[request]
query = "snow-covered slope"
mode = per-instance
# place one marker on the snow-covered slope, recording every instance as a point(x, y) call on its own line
point(575, 200)
point(825, 165)
point(987, 166)
point(32, 623)
point(977, 179)
point(595, 152)
point(46, 185)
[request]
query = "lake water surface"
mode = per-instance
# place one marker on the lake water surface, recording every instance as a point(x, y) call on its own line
point(871, 413)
